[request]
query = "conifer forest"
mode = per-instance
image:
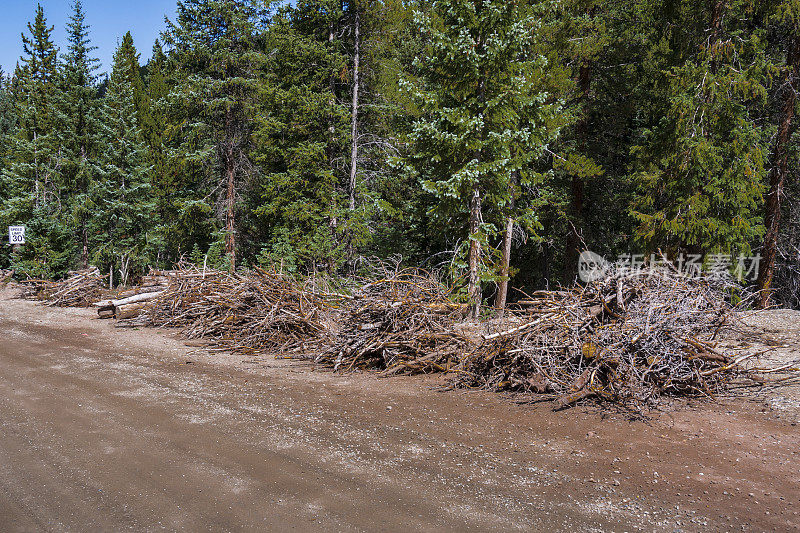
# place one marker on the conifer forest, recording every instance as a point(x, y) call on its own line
point(490, 140)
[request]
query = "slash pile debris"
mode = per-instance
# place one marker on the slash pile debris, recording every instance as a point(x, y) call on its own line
point(402, 322)
point(629, 339)
point(262, 312)
point(81, 289)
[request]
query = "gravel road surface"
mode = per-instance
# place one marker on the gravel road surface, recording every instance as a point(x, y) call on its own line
point(104, 429)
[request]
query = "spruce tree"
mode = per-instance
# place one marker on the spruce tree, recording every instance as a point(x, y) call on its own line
point(133, 73)
point(701, 170)
point(786, 23)
point(214, 53)
point(302, 136)
point(484, 120)
point(122, 206)
point(33, 182)
point(80, 132)
point(8, 118)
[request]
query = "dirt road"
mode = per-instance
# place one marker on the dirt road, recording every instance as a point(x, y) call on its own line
point(109, 430)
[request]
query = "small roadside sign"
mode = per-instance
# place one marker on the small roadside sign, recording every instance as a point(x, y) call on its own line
point(16, 235)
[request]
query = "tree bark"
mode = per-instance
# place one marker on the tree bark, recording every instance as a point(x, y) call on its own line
point(502, 289)
point(85, 242)
point(777, 175)
point(333, 222)
point(475, 214)
point(356, 81)
point(475, 293)
point(230, 196)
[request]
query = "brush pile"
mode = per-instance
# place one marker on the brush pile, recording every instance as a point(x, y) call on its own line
point(80, 289)
point(400, 322)
point(261, 312)
point(628, 339)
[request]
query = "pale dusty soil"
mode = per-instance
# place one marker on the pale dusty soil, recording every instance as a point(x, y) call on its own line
point(103, 429)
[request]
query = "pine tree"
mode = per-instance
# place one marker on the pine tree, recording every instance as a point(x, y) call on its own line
point(8, 118)
point(122, 207)
point(484, 119)
point(33, 184)
point(213, 50)
point(786, 21)
point(8, 127)
point(703, 164)
point(133, 73)
point(79, 134)
point(156, 125)
point(302, 134)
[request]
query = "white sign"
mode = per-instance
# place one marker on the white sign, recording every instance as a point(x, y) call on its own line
point(16, 234)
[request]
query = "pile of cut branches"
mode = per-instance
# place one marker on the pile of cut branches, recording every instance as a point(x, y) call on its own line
point(260, 312)
point(399, 322)
point(628, 339)
point(80, 289)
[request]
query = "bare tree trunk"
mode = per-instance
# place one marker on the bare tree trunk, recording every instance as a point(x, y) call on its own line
point(777, 175)
point(333, 222)
point(36, 168)
point(230, 196)
point(230, 235)
point(475, 215)
point(356, 81)
point(85, 249)
point(475, 293)
point(502, 289)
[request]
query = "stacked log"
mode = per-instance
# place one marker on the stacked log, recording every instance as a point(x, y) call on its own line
point(127, 307)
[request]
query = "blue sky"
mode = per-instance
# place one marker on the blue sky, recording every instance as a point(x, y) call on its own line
point(109, 20)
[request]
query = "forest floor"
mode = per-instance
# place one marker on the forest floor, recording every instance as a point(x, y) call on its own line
point(110, 429)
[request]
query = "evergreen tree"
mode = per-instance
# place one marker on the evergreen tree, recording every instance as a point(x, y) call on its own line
point(80, 132)
point(215, 55)
point(785, 20)
point(8, 118)
point(121, 203)
point(485, 120)
point(133, 73)
point(702, 166)
point(302, 135)
point(33, 184)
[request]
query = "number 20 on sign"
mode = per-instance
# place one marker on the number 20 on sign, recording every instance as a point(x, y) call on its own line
point(16, 234)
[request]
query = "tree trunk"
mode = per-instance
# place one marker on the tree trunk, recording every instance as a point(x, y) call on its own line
point(333, 222)
point(777, 175)
point(85, 242)
point(230, 197)
point(577, 196)
point(230, 236)
point(475, 215)
point(356, 81)
point(475, 293)
point(502, 289)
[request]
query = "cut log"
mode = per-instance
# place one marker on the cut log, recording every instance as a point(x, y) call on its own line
point(141, 290)
point(136, 298)
point(105, 313)
point(129, 311)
